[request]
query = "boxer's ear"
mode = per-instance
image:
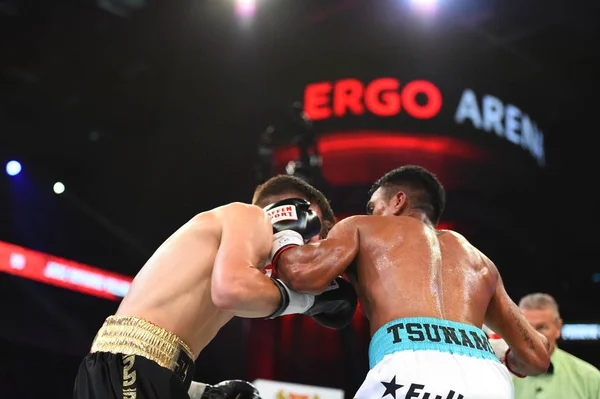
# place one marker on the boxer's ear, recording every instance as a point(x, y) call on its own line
point(399, 203)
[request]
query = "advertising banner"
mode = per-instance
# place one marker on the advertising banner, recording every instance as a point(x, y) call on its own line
point(286, 390)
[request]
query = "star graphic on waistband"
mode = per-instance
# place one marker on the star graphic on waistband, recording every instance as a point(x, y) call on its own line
point(391, 388)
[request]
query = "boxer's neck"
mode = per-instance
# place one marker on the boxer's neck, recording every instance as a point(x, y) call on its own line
point(419, 215)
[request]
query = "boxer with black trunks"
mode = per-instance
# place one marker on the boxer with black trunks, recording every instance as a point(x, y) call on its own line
point(426, 293)
point(203, 275)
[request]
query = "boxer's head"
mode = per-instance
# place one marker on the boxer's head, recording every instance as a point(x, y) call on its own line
point(407, 189)
point(283, 186)
point(541, 310)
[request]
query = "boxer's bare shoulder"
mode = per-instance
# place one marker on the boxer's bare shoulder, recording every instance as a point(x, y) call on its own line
point(252, 217)
point(246, 236)
point(245, 222)
point(456, 245)
point(455, 237)
point(243, 213)
point(230, 210)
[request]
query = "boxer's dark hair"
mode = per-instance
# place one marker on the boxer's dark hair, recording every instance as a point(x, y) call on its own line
point(426, 192)
point(265, 194)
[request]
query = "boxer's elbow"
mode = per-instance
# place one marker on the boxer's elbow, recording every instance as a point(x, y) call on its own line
point(541, 367)
point(531, 362)
point(226, 294)
point(535, 365)
point(236, 290)
point(539, 363)
point(540, 360)
point(224, 299)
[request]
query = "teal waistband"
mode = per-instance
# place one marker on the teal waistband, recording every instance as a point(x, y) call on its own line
point(427, 333)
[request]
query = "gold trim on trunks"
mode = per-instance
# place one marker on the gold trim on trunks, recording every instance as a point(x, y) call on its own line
point(133, 336)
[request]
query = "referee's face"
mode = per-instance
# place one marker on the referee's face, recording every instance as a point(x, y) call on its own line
point(547, 322)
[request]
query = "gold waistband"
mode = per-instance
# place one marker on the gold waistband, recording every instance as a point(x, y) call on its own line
point(132, 336)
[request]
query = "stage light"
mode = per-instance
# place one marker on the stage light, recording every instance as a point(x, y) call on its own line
point(425, 6)
point(59, 188)
point(424, 3)
point(13, 168)
point(245, 8)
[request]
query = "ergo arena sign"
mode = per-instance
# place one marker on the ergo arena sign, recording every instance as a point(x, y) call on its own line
point(388, 97)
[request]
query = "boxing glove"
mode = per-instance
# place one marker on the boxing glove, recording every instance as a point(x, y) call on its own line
point(231, 389)
point(334, 308)
point(501, 349)
point(294, 224)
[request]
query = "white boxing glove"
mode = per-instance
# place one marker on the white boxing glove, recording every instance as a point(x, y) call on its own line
point(499, 346)
point(501, 350)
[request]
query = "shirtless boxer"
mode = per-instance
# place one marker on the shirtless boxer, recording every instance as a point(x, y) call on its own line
point(202, 276)
point(426, 293)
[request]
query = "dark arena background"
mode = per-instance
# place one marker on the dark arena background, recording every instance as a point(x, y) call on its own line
point(124, 118)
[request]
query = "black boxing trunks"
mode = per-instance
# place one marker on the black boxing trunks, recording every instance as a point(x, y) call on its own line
point(132, 358)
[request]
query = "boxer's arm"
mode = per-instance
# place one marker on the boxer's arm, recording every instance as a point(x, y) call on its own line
point(310, 268)
point(237, 285)
point(528, 354)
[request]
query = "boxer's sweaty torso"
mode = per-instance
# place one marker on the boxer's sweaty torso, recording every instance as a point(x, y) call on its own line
point(173, 289)
point(406, 269)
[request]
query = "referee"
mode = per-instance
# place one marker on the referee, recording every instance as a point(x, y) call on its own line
point(568, 377)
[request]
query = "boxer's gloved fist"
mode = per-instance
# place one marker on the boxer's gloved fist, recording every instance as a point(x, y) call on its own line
point(499, 346)
point(334, 308)
point(293, 224)
point(501, 349)
point(231, 389)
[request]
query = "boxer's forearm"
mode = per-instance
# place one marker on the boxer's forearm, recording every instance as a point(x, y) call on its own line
point(525, 366)
point(519, 367)
point(310, 268)
point(304, 269)
point(251, 295)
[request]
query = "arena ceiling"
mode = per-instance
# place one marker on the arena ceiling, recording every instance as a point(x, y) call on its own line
point(153, 115)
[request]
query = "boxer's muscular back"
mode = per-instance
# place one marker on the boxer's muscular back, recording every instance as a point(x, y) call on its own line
point(173, 289)
point(406, 269)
